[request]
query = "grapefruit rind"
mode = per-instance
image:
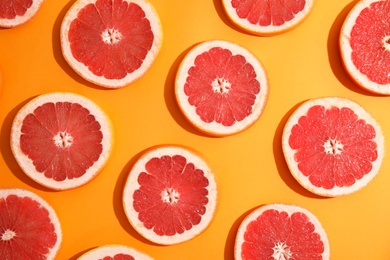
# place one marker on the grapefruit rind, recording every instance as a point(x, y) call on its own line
point(26, 163)
point(289, 209)
point(84, 72)
point(346, 52)
point(189, 111)
point(27, 16)
point(289, 153)
point(112, 250)
point(131, 185)
point(269, 30)
point(5, 192)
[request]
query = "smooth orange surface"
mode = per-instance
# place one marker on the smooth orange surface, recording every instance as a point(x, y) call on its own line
point(249, 167)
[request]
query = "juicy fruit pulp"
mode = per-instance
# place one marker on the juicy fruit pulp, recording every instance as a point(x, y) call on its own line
point(334, 147)
point(114, 252)
point(63, 139)
point(27, 230)
point(281, 232)
point(174, 197)
point(14, 13)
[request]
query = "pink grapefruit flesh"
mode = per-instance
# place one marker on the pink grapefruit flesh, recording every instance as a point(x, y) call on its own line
point(280, 231)
point(221, 88)
point(170, 194)
point(332, 146)
point(365, 45)
point(267, 17)
point(29, 227)
point(111, 42)
point(61, 140)
point(15, 13)
point(114, 252)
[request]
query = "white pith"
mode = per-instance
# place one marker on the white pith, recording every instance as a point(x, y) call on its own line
point(346, 50)
point(63, 140)
point(111, 251)
point(7, 235)
point(289, 153)
point(334, 147)
point(170, 196)
point(222, 86)
point(113, 36)
point(27, 164)
point(131, 185)
point(4, 193)
point(281, 251)
point(19, 20)
point(270, 29)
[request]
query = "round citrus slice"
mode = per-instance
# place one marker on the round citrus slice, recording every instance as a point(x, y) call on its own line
point(365, 45)
point(61, 140)
point(111, 43)
point(170, 194)
point(14, 13)
point(267, 17)
point(221, 88)
point(29, 227)
point(332, 146)
point(279, 231)
point(114, 252)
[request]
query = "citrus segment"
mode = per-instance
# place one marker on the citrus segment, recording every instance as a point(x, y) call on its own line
point(332, 146)
point(265, 17)
point(365, 45)
point(14, 13)
point(221, 88)
point(29, 227)
point(114, 252)
point(61, 140)
point(111, 42)
point(279, 231)
point(170, 195)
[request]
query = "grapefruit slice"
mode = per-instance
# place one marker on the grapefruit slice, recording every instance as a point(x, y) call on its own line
point(267, 17)
point(332, 146)
point(61, 140)
point(170, 194)
point(221, 88)
point(280, 231)
point(365, 45)
point(29, 226)
point(14, 13)
point(114, 252)
point(111, 43)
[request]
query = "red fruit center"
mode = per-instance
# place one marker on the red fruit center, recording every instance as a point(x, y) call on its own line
point(119, 257)
point(268, 12)
point(172, 196)
point(222, 86)
point(280, 236)
point(11, 9)
point(111, 38)
point(62, 139)
point(333, 147)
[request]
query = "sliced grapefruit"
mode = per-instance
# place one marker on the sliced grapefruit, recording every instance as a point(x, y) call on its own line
point(267, 17)
point(61, 140)
point(29, 226)
point(114, 252)
point(365, 45)
point(221, 88)
point(280, 231)
point(111, 43)
point(332, 146)
point(14, 13)
point(170, 194)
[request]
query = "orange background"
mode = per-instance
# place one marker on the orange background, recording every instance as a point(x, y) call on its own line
point(249, 167)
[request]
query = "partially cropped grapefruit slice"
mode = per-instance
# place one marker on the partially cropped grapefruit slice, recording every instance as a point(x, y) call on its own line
point(280, 231)
point(221, 88)
point(332, 146)
point(29, 226)
point(61, 140)
point(365, 45)
point(267, 17)
point(111, 43)
point(170, 194)
point(114, 252)
point(15, 13)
